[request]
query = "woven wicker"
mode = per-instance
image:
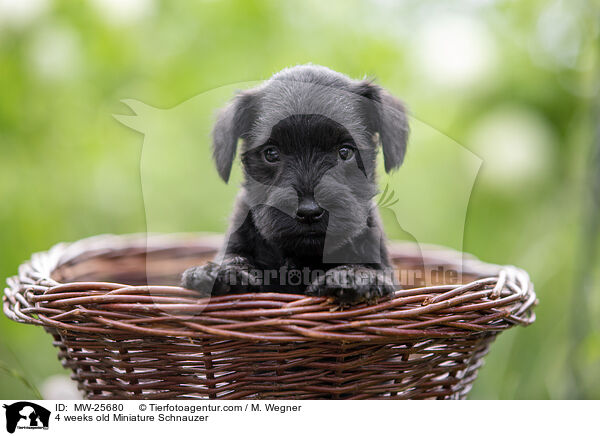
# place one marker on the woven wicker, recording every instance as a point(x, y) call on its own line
point(125, 339)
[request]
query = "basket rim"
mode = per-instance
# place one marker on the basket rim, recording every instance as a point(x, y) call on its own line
point(501, 298)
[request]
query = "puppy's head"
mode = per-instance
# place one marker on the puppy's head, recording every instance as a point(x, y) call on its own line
point(310, 140)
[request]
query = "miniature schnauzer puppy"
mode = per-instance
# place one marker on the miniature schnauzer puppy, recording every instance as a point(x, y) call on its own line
point(309, 137)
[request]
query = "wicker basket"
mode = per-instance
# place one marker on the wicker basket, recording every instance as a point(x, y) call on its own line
point(125, 339)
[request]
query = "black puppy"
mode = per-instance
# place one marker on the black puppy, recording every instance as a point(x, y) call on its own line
point(305, 220)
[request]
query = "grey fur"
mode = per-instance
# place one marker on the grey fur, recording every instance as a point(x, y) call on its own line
point(296, 103)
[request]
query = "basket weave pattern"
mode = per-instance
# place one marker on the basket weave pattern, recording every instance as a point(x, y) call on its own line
point(125, 337)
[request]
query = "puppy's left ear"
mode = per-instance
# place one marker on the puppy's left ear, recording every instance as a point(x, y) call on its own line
point(233, 122)
point(386, 115)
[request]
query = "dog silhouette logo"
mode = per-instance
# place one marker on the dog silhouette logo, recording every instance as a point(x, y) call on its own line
point(352, 221)
point(26, 415)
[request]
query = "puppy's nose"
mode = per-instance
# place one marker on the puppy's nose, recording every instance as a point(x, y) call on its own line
point(309, 211)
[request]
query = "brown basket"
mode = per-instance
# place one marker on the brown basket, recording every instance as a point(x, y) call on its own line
point(124, 339)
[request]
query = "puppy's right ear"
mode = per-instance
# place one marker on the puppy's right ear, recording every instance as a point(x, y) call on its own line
point(233, 122)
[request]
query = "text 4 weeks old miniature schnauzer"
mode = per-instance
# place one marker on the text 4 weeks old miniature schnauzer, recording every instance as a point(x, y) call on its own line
point(305, 220)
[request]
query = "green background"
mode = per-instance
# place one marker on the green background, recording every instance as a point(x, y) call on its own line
point(516, 83)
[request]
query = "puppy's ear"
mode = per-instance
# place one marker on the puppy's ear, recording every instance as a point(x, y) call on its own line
point(233, 122)
point(386, 115)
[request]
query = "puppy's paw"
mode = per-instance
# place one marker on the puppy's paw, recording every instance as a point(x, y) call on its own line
point(219, 279)
point(351, 285)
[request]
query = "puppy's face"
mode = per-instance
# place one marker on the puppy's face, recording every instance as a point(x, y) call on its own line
point(309, 152)
point(305, 179)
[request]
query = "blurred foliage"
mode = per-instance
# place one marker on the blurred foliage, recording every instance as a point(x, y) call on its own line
point(514, 82)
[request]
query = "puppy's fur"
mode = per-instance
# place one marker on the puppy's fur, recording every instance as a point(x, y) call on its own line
point(310, 138)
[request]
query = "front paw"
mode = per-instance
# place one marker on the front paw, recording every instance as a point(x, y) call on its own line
point(233, 275)
point(351, 285)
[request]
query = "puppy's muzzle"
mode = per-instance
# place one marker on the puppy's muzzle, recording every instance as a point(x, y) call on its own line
point(309, 211)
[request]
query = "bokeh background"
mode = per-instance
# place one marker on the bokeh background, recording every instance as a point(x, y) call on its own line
point(515, 83)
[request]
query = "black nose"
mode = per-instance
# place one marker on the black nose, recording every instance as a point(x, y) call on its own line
point(309, 211)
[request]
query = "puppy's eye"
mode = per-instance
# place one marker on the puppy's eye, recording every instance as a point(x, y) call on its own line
point(346, 152)
point(271, 154)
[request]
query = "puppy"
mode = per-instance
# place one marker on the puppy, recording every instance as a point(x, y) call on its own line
point(305, 220)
